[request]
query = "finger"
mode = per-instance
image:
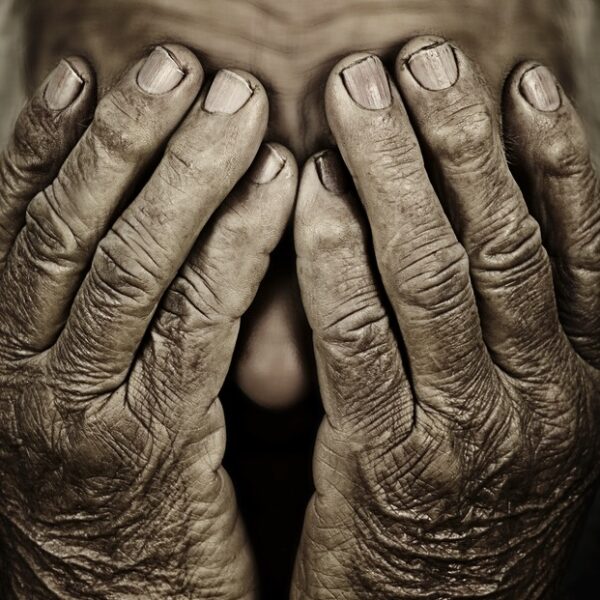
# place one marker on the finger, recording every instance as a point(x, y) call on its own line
point(363, 386)
point(550, 151)
point(45, 132)
point(140, 256)
point(193, 336)
point(455, 117)
point(423, 267)
point(65, 222)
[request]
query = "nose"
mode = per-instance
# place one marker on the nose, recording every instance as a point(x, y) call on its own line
point(274, 360)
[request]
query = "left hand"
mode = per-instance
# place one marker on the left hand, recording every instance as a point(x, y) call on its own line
point(461, 467)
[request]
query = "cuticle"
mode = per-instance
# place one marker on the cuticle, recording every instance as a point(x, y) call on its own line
point(77, 73)
point(404, 62)
point(174, 59)
point(361, 60)
point(283, 159)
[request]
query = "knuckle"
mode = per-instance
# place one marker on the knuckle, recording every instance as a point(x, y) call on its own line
point(359, 324)
point(186, 163)
point(566, 153)
point(27, 158)
point(586, 253)
point(515, 248)
point(197, 297)
point(116, 128)
point(239, 226)
point(435, 278)
point(465, 137)
point(14, 170)
point(28, 155)
point(325, 234)
point(180, 164)
point(193, 300)
point(35, 133)
point(49, 235)
point(121, 274)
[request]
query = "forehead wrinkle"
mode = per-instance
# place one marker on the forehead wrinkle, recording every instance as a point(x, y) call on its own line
point(290, 45)
point(299, 33)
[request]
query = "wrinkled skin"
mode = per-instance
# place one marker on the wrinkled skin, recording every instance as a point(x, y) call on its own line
point(291, 46)
point(459, 469)
point(458, 463)
point(120, 304)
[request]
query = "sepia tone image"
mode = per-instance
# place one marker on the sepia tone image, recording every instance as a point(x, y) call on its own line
point(299, 299)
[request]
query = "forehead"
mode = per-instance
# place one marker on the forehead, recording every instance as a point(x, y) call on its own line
point(300, 33)
point(290, 44)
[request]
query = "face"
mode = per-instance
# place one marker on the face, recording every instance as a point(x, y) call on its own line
point(291, 46)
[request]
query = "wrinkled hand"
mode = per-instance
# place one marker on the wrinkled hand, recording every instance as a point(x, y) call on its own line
point(458, 461)
point(111, 432)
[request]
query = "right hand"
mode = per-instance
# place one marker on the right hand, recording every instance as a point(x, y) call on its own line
point(117, 328)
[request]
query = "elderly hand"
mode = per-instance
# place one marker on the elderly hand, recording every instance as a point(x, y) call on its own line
point(460, 445)
point(119, 309)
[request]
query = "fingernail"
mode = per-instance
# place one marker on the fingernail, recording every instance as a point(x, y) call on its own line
point(367, 83)
point(434, 67)
point(267, 165)
point(332, 172)
point(228, 93)
point(539, 88)
point(160, 73)
point(64, 86)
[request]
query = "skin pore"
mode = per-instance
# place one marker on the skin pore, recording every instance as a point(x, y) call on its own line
point(291, 47)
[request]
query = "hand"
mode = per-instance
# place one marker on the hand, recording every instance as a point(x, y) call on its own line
point(117, 328)
point(457, 458)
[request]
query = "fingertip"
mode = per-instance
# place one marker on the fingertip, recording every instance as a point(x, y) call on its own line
point(331, 172)
point(83, 69)
point(188, 62)
point(532, 88)
point(259, 99)
point(290, 167)
point(168, 70)
point(263, 201)
point(415, 45)
point(273, 164)
point(253, 81)
point(326, 208)
point(342, 89)
point(550, 133)
point(274, 174)
point(350, 60)
point(67, 89)
point(234, 91)
point(55, 116)
point(325, 171)
point(429, 64)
